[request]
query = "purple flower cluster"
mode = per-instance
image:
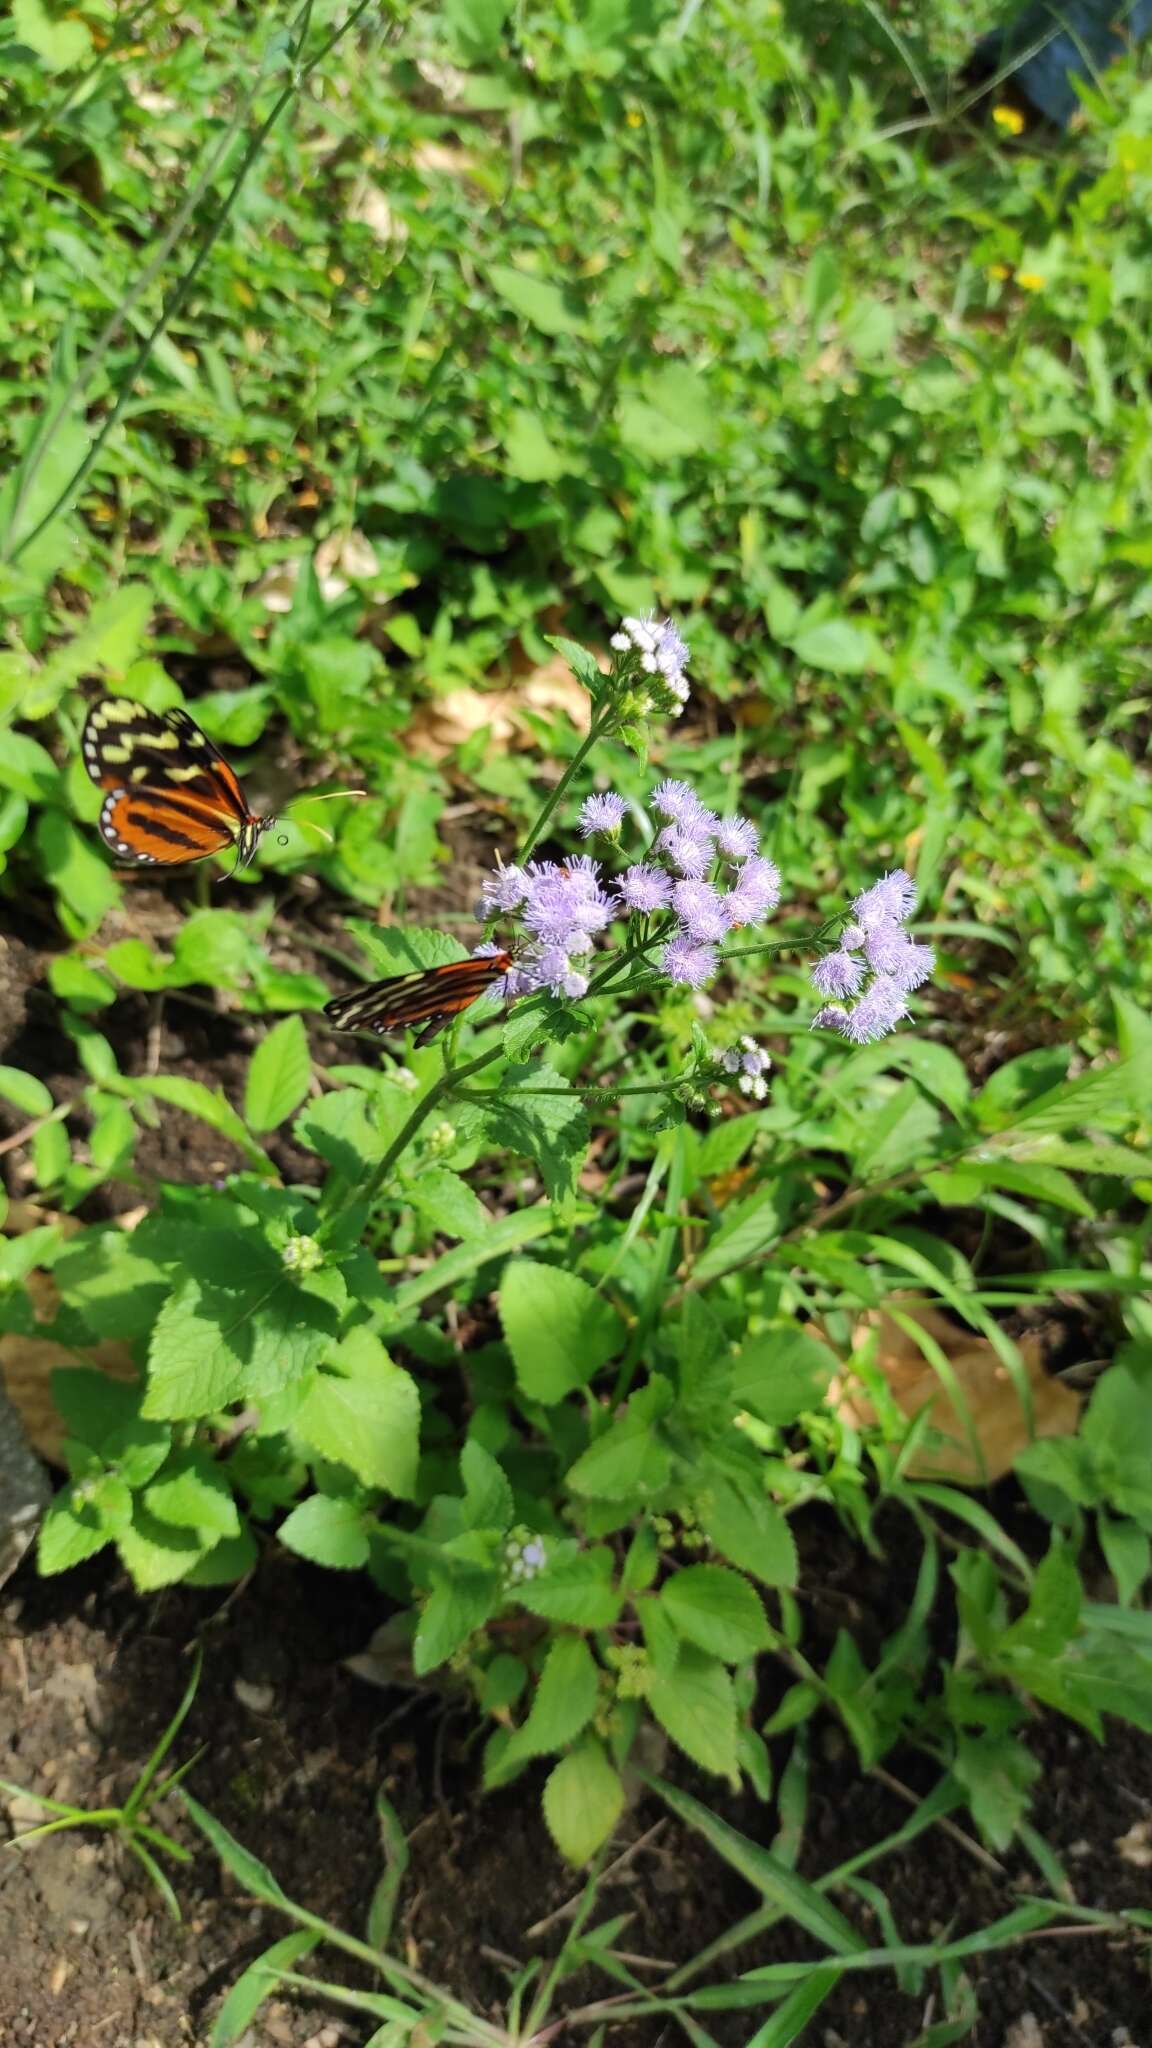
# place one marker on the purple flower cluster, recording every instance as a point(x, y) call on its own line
point(662, 655)
point(875, 962)
point(705, 876)
point(747, 1060)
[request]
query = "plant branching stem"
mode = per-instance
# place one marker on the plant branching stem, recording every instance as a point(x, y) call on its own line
point(596, 731)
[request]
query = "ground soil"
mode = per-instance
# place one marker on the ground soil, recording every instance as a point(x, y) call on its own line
point(295, 1748)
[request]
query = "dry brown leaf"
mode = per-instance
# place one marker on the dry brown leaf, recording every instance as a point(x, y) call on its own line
point(445, 723)
point(992, 1408)
point(369, 205)
point(26, 1365)
point(1136, 1846)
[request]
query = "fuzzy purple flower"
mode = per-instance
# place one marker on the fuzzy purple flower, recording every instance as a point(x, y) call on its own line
point(736, 838)
point(890, 900)
point(566, 900)
point(701, 910)
point(662, 653)
point(687, 851)
point(837, 974)
point(757, 892)
point(684, 960)
point(601, 814)
point(892, 966)
point(675, 800)
point(505, 890)
point(751, 1064)
point(644, 888)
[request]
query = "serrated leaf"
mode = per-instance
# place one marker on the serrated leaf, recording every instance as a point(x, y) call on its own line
point(363, 1411)
point(448, 1203)
point(574, 1587)
point(998, 1774)
point(630, 1461)
point(193, 1493)
point(549, 1128)
point(68, 1535)
point(455, 1609)
point(695, 1704)
point(583, 1800)
point(718, 1610)
point(327, 1530)
point(155, 1553)
point(750, 1531)
point(559, 1331)
point(782, 1374)
point(213, 1344)
point(279, 1075)
point(564, 1703)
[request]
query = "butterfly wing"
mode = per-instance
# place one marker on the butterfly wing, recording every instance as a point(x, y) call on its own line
point(423, 1002)
point(171, 795)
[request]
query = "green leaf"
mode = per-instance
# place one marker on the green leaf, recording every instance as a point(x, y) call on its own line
point(488, 1502)
point(448, 1203)
point(455, 1609)
point(1118, 1431)
point(363, 1411)
point(696, 1706)
point(782, 1374)
point(581, 661)
point(278, 1076)
point(213, 1344)
point(255, 1984)
point(565, 1701)
point(193, 1493)
point(574, 1587)
point(583, 1800)
point(26, 1092)
point(559, 1331)
point(59, 44)
point(837, 646)
point(156, 1553)
point(630, 1461)
point(778, 1886)
point(82, 879)
point(544, 305)
point(327, 1530)
point(998, 1774)
point(898, 1135)
point(551, 1129)
point(528, 451)
point(1127, 1553)
point(750, 1227)
point(750, 1531)
point(69, 1534)
point(478, 26)
point(252, 1876)
point(718, 1610)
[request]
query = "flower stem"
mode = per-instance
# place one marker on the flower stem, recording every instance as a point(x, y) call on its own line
point(439, 1092)
point(596, 731)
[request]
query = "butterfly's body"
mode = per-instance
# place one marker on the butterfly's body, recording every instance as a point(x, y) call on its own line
point(429, 998)
point(171, 796)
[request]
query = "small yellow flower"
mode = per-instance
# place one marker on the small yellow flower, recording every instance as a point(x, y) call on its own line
point(1000, 270)
point(1030, 280)
point(634, 118)
point(238, 457)
point(335, 274)
point(243, 292)
point(1010, 119)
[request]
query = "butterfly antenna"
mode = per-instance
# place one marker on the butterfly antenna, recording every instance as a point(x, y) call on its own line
point(325, 796)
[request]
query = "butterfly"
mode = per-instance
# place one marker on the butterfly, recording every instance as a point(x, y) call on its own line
point(430, 998)
point(171, 795)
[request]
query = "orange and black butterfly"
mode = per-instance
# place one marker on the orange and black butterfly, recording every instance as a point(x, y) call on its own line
point(425, 1001)
point(171, 795)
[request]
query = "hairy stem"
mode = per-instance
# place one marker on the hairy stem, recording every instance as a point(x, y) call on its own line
point(596, 731)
